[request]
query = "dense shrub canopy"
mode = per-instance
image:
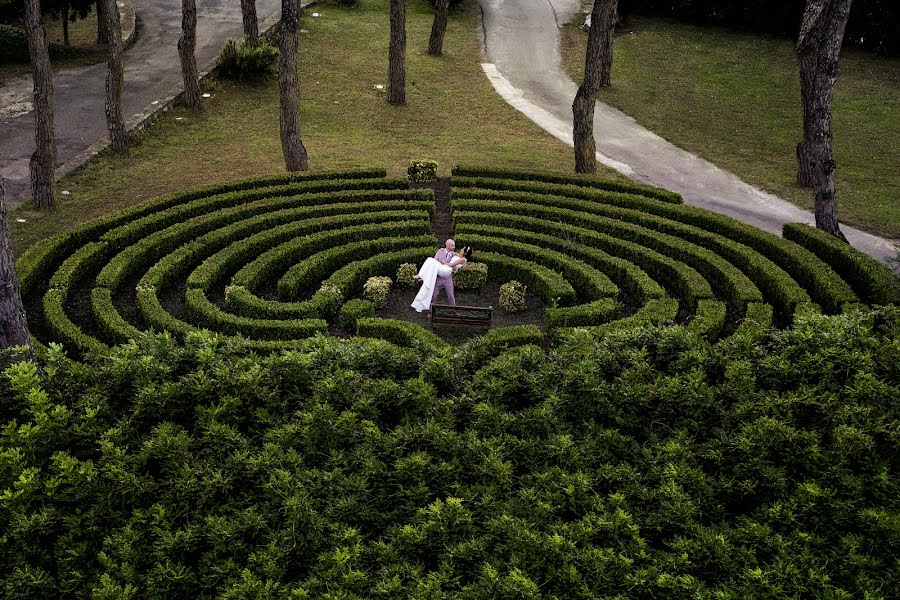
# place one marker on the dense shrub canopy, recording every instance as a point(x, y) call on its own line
point(645, 464)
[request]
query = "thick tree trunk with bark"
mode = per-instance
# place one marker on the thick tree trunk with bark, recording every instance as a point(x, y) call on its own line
point(397, 54)
point(115, 78)
point(251, 27)
point(43, 161)
point(609, 28)
point(438, 28)
point(602, 16)
point(186, 46)
point(13, 325)
point(64, 13)
point(295, 156)
point(102, 33)
point(818, 48)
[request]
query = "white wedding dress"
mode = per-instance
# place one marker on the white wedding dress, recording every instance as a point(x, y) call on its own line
point(429, 274)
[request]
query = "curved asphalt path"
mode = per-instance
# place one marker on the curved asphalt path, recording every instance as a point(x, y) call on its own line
point(152, 73)
point(522, 45)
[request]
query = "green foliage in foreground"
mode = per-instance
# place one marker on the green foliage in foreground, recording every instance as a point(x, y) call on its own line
point(646, 464)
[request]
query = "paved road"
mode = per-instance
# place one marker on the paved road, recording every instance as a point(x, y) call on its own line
point(152, 72)
point(522, 45)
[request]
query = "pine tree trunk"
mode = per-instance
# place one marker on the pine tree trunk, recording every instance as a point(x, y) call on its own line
point(115, 79)
point(295, 155)
point(807, 95)
point(65, 23)
point(438, 28)
point(818, 48)
point(251, 27)
point(397, 54)
point(102, 33)
point(586, 98)
point(186, 45)
point(13, 324)
point(609, 28)
point(43, 161)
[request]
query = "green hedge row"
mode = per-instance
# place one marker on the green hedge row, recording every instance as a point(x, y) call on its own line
point(401, 333)
point(63, 329)
point(89, 258)
point(623, 272)
point(206, 314)
point(245, 303)
point(206, 215)
point(654, 312)
point(757, 320)
point(708, 319)
point(593, 313)
point(774, 282)
point(872, 280)
point(322, 255)
point(193, 201)
point(116, 329)
point(460, 173)
point(229, 225)
point(350, 278)
point(735, 286)
point(233, 247)
point(40, 259)
point(815, 275)
point(590, 283)
point(354, 310)
point(548, 285)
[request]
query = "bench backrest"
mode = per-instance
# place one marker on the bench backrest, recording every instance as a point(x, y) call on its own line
point(464, 315)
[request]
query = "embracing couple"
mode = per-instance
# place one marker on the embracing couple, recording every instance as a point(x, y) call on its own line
point(437, 273)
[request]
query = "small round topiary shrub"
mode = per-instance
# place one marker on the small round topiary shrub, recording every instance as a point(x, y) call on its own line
point(376, 290)
point(406, 275)
point(422, 171)
point(471, 277)
point(353, 311)
point(512, 296)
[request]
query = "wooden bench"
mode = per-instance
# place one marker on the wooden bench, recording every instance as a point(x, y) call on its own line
point(461, 315)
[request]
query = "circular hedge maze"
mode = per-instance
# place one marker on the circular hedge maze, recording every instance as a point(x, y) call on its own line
point(271, 260)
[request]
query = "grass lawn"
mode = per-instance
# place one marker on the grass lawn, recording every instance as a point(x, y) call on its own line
point(82, 37)
point(452, 115)
point(734, 99)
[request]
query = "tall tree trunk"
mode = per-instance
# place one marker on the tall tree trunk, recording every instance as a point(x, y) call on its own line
point(43, 161)
point(818, 48)
point(438, 28)
point(13, 324)
point(102, 33)
point(251, 27)
point(585, 102)
point(397, 54)
point(115, 78)
point(807, 97)
point(609, 28)
point(64, 12)
point(186, 45)
point(295, 156)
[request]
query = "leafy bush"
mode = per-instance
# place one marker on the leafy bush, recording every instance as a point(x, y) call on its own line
point(641, 464)
point(14, 46)
point(406, 274)
point(422, 171)
point(512, 296)
point(376, 290)
point(347, 3)
point(242, 61)
point(354, 310)
point(471, 277)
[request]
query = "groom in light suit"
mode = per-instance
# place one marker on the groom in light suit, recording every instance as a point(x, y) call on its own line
point(444, 256)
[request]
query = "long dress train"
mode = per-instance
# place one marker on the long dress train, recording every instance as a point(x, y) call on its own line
point(429, 273)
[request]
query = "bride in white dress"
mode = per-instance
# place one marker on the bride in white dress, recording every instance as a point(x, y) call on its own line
point(431, 270)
